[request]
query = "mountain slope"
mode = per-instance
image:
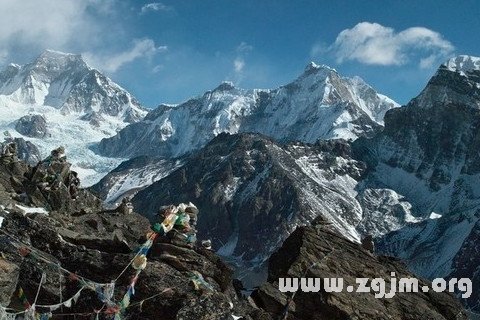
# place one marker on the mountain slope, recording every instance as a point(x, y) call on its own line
point(59, 100)
point(319, 104)
point(133, 175)
point(428, 152)
point(247, 185)
point(432, 144)
point(253, 192)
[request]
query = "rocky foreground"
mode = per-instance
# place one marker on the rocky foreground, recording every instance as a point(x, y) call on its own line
point(318, 252)
point(75, 244)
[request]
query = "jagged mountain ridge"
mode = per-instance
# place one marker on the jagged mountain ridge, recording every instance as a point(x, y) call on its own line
point(65, 81)
point(59, 100)
point(428, 152)
point(319, 104)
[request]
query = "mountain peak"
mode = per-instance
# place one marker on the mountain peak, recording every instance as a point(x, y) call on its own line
point(60, 59)
point(312, 67)
point(225, 86)
point(463, 63)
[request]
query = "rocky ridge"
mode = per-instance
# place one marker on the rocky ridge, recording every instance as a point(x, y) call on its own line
point(318, 252)
point(428, 153)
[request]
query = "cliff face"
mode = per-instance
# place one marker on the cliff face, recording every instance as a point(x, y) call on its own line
point(318, 252)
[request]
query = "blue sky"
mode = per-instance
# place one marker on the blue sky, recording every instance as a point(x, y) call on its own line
point(168, 51)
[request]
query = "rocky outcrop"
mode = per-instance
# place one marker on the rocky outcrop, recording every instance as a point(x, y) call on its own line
point(8, 280)
point(26, 150)
point(34, 126)
point(319, 252)
point(78, 235)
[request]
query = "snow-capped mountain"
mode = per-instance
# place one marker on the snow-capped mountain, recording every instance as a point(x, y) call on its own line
point(428, 152)
point(252, 192)
point(59, 100)
point(413, 185)
point(64, 81)
point(319, 104)
point(247, 186)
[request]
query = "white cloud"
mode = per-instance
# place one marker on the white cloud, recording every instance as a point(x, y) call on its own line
point(45, 24)
point(111, 62)
point(318, 49)
point(158, 68)
point(238, 65)
point(242, 50)
point(244, 47)
point(155, 6)
point(374, 44)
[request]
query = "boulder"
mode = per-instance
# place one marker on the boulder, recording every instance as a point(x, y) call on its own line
point(34, 126)
point(8, 280)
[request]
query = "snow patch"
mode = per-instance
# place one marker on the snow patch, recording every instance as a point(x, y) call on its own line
point(231, 189)
point(228, 248)
point(27, 210)
point(434, 215)
point(463, 63)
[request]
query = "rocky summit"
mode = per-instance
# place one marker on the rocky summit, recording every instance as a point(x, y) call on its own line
point(318, 252)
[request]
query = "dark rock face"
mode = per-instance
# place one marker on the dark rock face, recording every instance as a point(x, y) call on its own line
point(466, 264)
point(428, 153)
point(81, 237)
point(8, 280)
point(252, 192)
point(34, 126)
point(318, 252)
point(432, 141)
point(26, 150)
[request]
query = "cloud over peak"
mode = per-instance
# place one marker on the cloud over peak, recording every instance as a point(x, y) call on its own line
point(374, 44)
point(141, 48)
